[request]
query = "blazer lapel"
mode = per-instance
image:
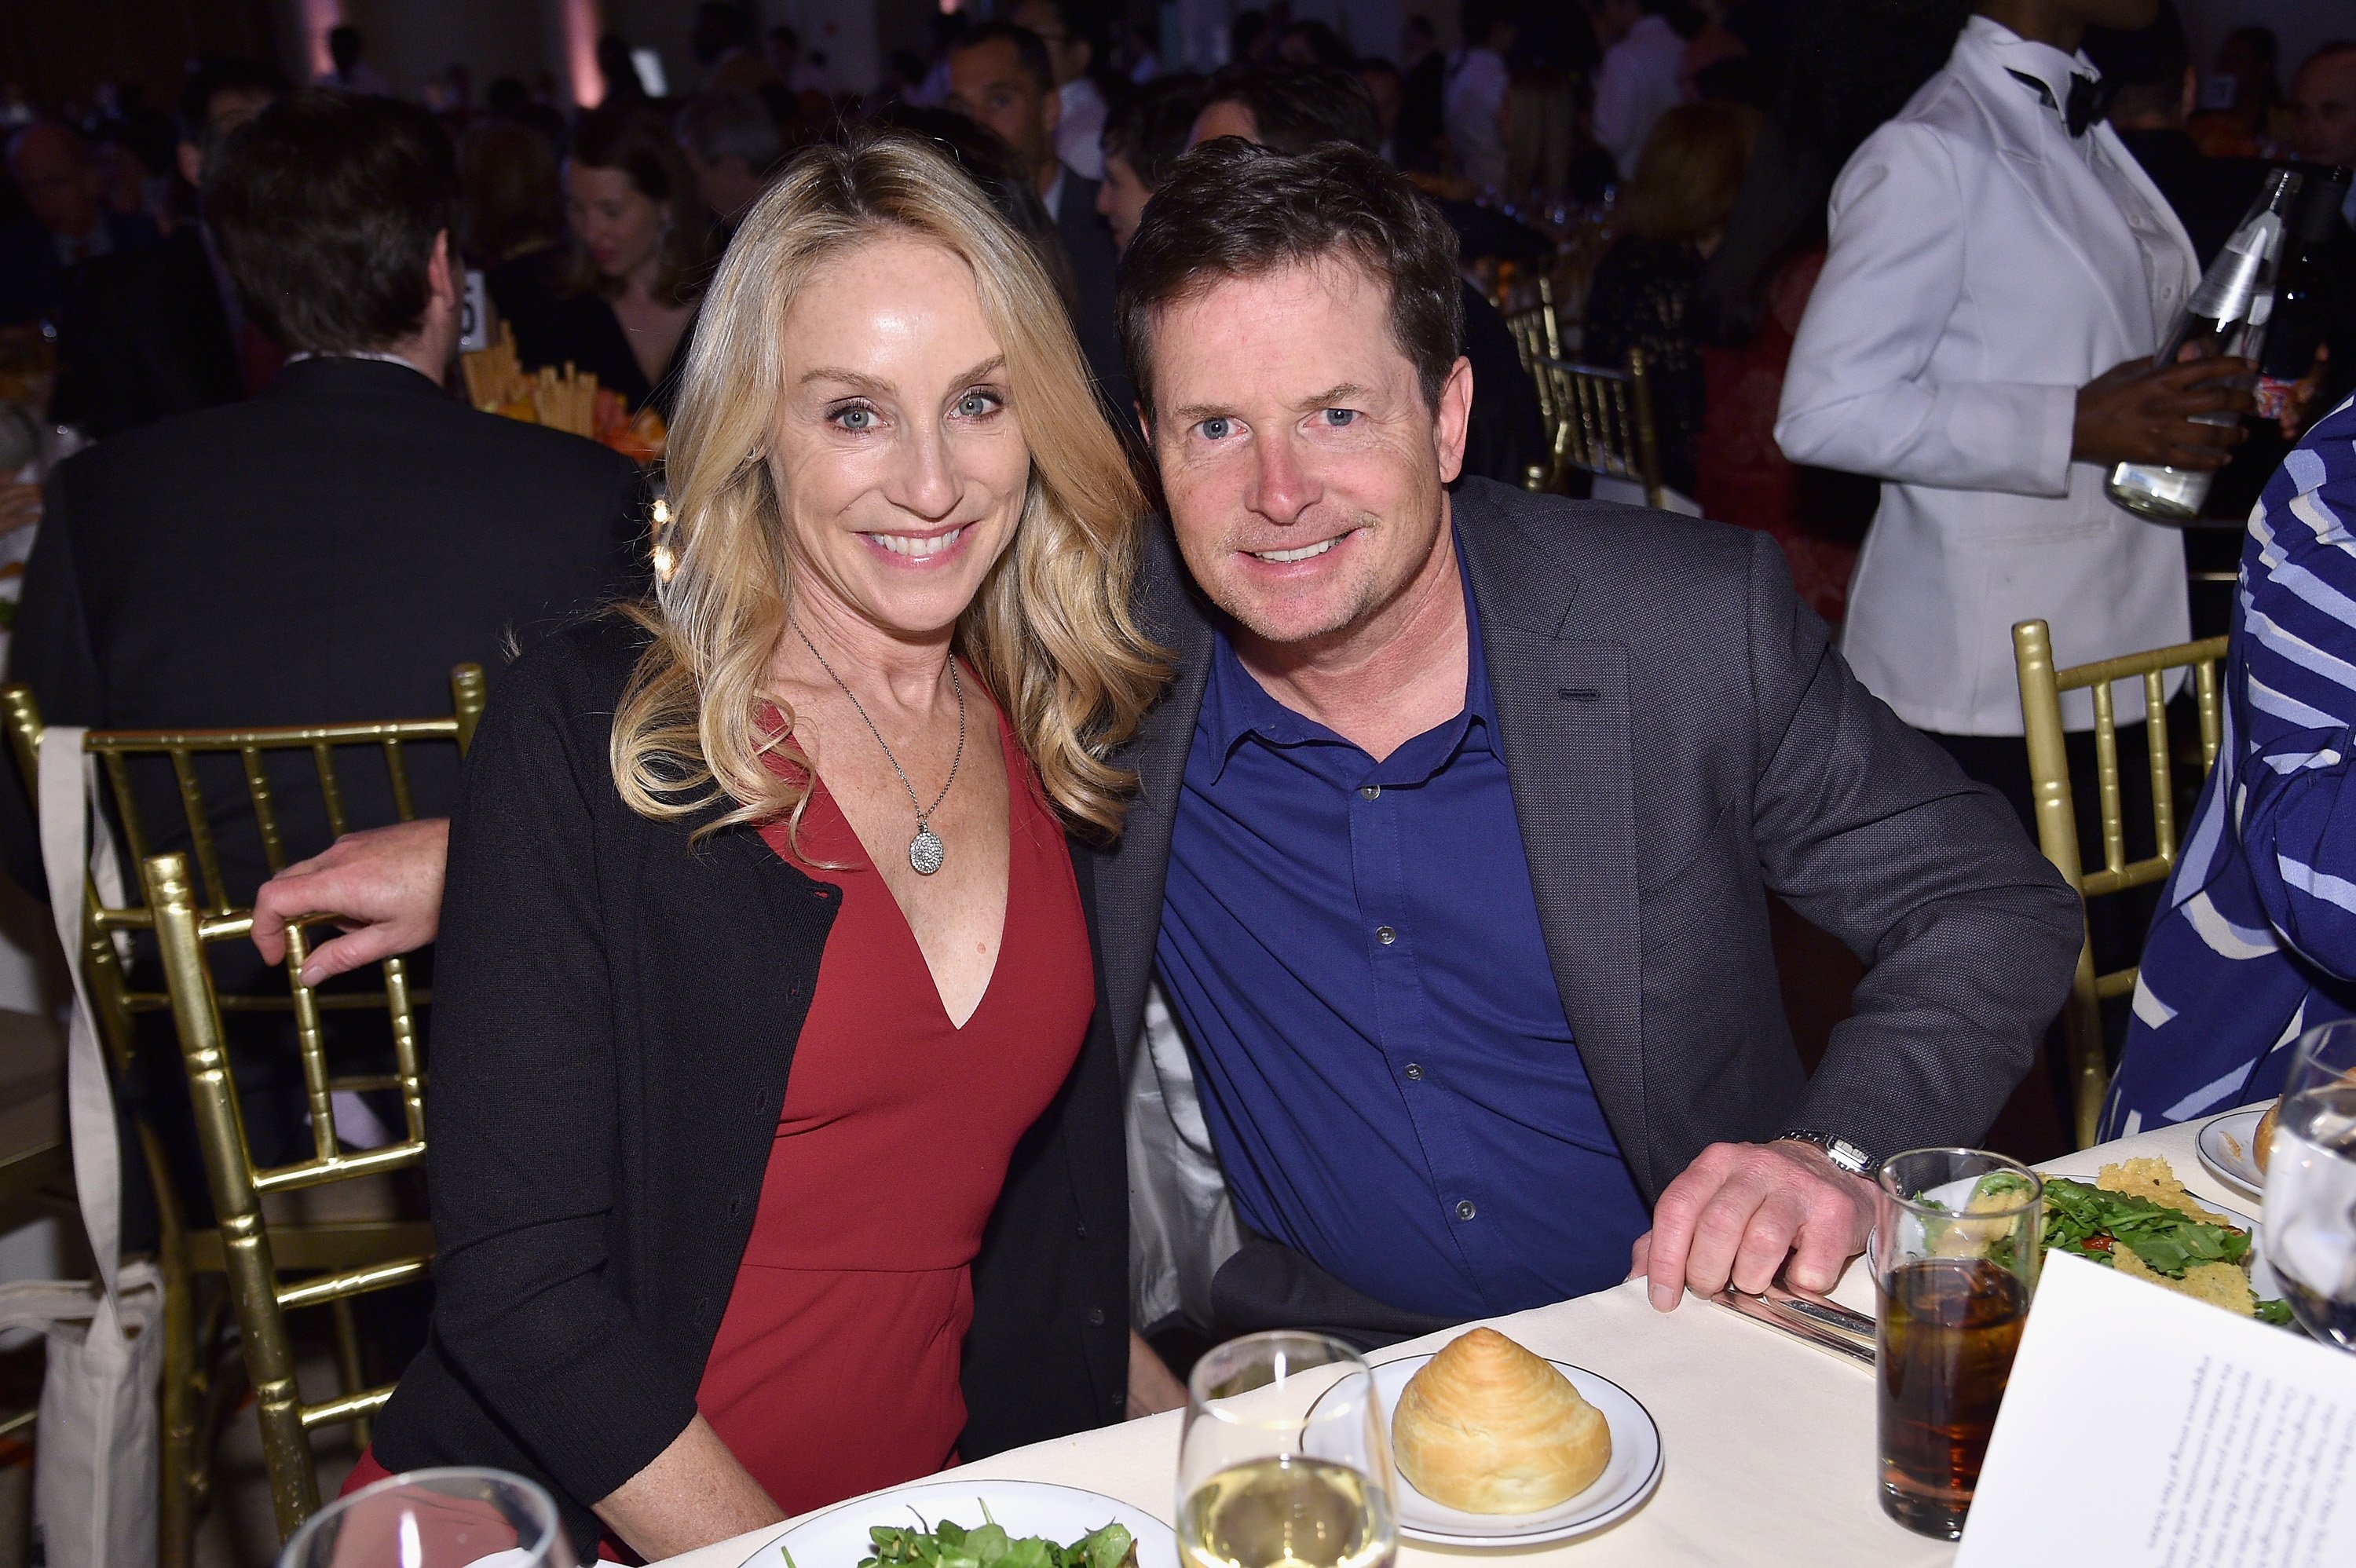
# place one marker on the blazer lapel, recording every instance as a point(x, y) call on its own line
point(1128, 876)
point(1563, 724)
point(2077, 208)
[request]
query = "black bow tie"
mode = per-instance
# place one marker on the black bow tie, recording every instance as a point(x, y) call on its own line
point(2089, 97)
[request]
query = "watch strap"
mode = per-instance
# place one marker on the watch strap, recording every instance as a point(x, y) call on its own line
point(1844, 1154)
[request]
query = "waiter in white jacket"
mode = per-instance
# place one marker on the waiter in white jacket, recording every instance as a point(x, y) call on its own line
point(2000, 274)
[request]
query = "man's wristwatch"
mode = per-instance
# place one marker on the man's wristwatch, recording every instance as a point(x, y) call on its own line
point(1839, 1150)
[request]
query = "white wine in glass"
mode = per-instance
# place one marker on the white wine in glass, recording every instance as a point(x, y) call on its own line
point(1263, 1482)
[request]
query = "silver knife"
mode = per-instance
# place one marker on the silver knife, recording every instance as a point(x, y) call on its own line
point(1807, 1317)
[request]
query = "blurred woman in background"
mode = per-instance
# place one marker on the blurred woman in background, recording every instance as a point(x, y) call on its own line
point(620, 302)
point(1676, 212)
point(508, 203)
point(1853, 64)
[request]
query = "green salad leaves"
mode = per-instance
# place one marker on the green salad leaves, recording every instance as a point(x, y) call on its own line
point(2088, 1221)
point(2093, 1222)
point(952, 1545)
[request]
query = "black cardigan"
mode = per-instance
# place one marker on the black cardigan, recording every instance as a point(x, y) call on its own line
point(614, 1016)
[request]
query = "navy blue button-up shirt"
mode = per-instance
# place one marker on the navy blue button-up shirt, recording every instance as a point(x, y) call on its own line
point(1383, 1061)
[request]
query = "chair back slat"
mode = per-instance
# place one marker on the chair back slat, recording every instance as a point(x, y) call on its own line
point(331, 789)
point(2054, 805)
point(126, 808)
point(200, 827)
point(2155, 756)
point(398, 770)
point(265, 807)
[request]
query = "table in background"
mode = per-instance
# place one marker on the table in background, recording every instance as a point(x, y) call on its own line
point(1768, 1444)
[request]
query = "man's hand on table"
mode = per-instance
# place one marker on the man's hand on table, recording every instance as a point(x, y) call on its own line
point(383, 886)
point(1152, 1386)
point(1740, 1209)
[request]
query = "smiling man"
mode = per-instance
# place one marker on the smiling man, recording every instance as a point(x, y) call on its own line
point(1457, 828)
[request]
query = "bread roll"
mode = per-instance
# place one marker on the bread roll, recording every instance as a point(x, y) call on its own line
point(1489, 1428)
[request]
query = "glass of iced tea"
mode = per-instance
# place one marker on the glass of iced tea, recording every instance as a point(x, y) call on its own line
point(1285, 1459)
point(1954, 1262)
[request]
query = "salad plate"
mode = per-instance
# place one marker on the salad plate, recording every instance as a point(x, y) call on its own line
point(1626, 1481)
point(839, 1537)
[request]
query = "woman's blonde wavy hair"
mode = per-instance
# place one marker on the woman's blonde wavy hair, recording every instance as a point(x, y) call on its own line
point(1049, 632)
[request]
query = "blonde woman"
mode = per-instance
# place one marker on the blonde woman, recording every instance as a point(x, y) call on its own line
point(772, 1156)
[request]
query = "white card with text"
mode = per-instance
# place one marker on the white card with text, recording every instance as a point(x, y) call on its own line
point(2144, 1429)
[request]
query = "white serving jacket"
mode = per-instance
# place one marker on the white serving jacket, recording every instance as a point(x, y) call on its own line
point(1979, 273)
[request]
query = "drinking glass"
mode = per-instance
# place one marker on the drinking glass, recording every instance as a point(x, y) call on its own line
point(1285, 1460)
point(2310, 1214)
point(1955, 1261)
point(453, 1518)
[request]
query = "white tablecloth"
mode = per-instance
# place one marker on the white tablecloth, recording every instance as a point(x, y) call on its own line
point(1768, 1445)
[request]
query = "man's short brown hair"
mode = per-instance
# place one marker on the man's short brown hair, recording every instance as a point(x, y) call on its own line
point(1231, 209)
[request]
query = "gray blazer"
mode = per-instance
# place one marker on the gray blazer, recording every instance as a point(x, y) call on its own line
point(1683, 738)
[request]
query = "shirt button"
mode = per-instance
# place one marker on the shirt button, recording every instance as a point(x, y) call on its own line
point(1464, 1210)
point(1372, 792)
point(1386, 935)
point(1096, 1317)
point(1415, 1072)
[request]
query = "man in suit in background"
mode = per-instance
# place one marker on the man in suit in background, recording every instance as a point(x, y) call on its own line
point(1454, 833)
point(156, 332)
point(322, 553)
point(1000, 76)
point(328, 549)
point(1291, 109)
point(1142, 137)
point(2323, 130)
point(68, 224)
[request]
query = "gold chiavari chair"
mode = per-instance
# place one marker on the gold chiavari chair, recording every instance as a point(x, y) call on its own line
point(2041, 686)
point(1538, 331)
point(279, 1228)
point(1602, 422)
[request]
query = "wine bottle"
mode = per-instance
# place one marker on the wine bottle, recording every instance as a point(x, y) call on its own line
point(2301, 292)
point(2225, 317)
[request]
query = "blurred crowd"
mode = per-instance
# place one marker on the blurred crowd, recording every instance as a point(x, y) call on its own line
point(1666, 164)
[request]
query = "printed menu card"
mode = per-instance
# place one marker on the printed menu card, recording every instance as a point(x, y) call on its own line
point(2144, 1429)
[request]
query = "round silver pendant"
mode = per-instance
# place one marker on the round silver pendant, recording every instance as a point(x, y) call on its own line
point(924, 851)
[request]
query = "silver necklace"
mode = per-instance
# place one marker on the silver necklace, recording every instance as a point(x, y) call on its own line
point(926, 850)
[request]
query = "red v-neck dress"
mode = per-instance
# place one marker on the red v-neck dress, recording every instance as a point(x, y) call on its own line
point(835, 1371)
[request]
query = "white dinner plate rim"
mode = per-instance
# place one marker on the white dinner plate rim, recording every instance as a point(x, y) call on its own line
point(2220, 1167)
point(1586, 1524)
point(977, 1488)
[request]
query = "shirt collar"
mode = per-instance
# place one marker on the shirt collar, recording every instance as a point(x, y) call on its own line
point(1053, 197)
point(2046, 66)
point(1236, 708)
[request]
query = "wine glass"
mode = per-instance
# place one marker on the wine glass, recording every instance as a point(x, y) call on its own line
point(1285, 1460)
point(454, 1518)
point(2310, 1211)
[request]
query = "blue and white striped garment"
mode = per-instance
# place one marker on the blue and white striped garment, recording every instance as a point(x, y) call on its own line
point(2256, 941)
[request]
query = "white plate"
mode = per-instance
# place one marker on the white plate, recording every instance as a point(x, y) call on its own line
point(1626, 1481)
point(838, 1538)
point(2238, 1170)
